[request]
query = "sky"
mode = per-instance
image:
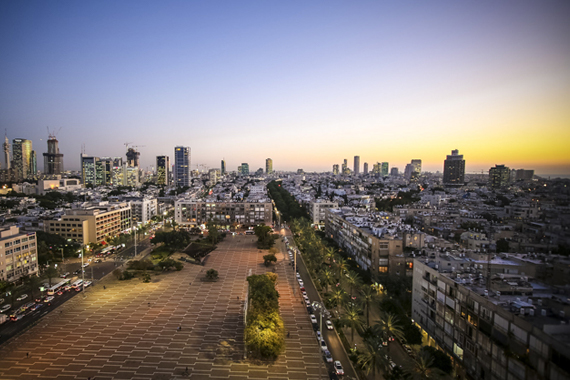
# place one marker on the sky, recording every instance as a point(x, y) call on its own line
point(307, 83)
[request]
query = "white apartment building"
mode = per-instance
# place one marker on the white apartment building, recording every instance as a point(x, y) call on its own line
point(143, 209)
point(18, 254)
point(317, 210)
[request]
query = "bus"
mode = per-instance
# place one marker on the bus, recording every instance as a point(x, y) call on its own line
point(77, 284)
point(57, 287)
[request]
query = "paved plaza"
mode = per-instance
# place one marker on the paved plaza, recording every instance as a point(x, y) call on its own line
point(131, 329)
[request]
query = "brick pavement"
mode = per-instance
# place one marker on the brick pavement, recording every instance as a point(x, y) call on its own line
point(115, 334)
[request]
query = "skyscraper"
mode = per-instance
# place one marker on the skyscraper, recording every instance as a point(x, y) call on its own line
point(499, 176)
point(454, 169)
point(366, 168)
point(89, 169)
point(223, 167)
point(268, 166)
point(22, 152)
point(133, 158)
point(53, 160)
point(356, 165)
point(344, 166)
point(244, 168)
point(394, 172)
point(417, 166)
point(182, 166)
point(163, 170)
point(384, 169)
point(335, 169)
point(7, 153)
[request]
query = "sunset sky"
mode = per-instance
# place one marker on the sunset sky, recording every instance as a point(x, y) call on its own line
point(307, 83)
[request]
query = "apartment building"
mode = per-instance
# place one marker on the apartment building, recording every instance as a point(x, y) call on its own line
point(317, 210)
point(507, 326)
point(92, 224)
point(143, 209)
point(18, 254)
point(193, 212)
point(372, 245)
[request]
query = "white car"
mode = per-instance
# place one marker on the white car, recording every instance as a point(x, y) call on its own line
point(22, 297)
point(324, 345)
point(301, 283)
point(328, 356)
point(313, 318)
point(338, 368)
point(5, 308)
point(329, 324)
point(85, 265)
point(48, 299)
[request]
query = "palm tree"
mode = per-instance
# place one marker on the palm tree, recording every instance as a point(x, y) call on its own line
point(341, 266)
point(353, 320)
point(329, 254)
point(353, 280)
point(326, 278)
point(368, 296)
point(32, 282)
point(423, 369)
point(373, 358)
point(338, 297)
point(389, 325)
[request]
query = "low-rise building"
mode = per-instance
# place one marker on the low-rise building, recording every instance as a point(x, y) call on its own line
point(192, 212)
point(317, 210)
point(18, 254)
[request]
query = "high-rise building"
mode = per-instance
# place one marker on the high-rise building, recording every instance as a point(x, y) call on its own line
point(499, 176)
point(117, 161)
point(377, 168)
point(33, 165)
point(133, 158)
point(335, 169)
point(268, 166)
point(454, 169)
point(223, 167)
point(344, 166)
point(409, 171)
point(53, 160)
point(182, 166)
point(417, 166)
point(22, 158)
point(384, 169)
point(7, 153)
point(107, 168)
point(89, 169)
point(244, 168)
point(366, 168)
point(394, 172)
point(356, 165)
point(163, 170)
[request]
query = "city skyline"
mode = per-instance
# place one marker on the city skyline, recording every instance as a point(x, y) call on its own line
point(305, 84)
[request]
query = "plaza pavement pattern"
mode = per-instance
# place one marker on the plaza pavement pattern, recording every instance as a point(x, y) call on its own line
point(130, 330)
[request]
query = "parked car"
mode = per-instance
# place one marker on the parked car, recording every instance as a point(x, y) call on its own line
point(324, 345)
point(329, 324)
point(328, 356)
point(48, 299)
point(22, 297)
point(319, 336)
point(313, 318)
point(338, 368)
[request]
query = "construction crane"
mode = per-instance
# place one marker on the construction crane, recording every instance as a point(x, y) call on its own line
point(127, 145)
point(53, 133)
point(138, 146)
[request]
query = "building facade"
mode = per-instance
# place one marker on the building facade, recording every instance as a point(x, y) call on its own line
point(223, 167)
point(454, 169)
point(244, 168)
point(93, 224)
point(317, 211)
point(163, 170)
point(356, 165)
point(182, 166)
point(192, 213)
point(268, 166)
point(499, 176)
point(21, 158)
point(53, 160)
point(18, 254)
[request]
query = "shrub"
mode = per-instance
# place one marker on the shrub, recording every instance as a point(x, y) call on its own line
point(127, 275)
point(212, 274)
point(146, 277)
point(118, 273)
point(268, 259)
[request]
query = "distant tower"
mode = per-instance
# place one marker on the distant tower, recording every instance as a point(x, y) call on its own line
point(335, 169)
point(244, 168)
point(182, 166)
point(356, 165)
point(223, 167)
point(499, 176)
point(133, 158)
point(454, 169)
point(366, 168)
point(384, 169)
point(162, 170)
point(53, 160)
point(344, 166)
point(7, 152)
point(268, 166)
point(22, 151)
point(417, 166)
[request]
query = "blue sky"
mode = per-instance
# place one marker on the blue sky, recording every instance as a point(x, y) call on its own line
point(306, 83)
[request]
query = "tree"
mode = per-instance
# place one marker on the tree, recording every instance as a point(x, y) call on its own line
point(118, 273)
point(32, 282)
point(145, 277)
point(212, 274)
point(265, 239)
point(50, 273)
point(368, 296)
point(373, 358)
point(353, 320)
point(353, 280)
point(326, 278)
point(389, 325)
point(268, 259)
point(440, 360)
point(341, 266)
point(213, 233)
point(338, 297)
